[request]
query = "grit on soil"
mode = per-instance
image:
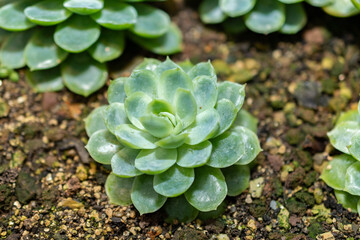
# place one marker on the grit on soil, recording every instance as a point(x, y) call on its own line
point(296, 86)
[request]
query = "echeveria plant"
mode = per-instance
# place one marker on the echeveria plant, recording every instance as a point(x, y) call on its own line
point(67, 42)
point(343, 171)
point(174, 137)
point(267, 16)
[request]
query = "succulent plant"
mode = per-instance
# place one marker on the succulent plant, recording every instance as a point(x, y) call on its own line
point(343, 171)
point(175, 138)
point(67, 42)
point(267, 16)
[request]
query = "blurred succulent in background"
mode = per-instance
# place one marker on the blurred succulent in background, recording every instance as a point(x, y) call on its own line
point(267, 16)
point(67, 42)
point(175, 138)
point(343, 171)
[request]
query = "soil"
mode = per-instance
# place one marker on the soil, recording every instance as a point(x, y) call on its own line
point(297, 86)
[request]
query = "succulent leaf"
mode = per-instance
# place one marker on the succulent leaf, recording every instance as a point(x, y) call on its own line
point(12, 17)
point(205, 92)
point(136, 107)
point(232, 91)
point(155, 161)
point(347, 200)
point(114, 115)
point(119, 189)
point(84, 7)
point(341, 135)
point(45, 81)
point(227, 113)
point(237, 179)
point(123, 163)
point(234, 8)
point(180, 209)
point(142, 81)
point(295, 18)
point(116, 91)
point(170, 81)
point(134, 137)
point(185, 107)
point(95, 121)
point(210, 12)
point(195, 155)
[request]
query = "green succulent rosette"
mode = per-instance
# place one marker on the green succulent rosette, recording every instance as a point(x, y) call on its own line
point(267, 16)
point(343, 171)
point(175, 138)
point(67, 42)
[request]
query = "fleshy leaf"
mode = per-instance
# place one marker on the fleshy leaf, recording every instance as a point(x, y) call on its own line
point(170, 81)
point(115, 115)
point(186, 65)
point(357, 4)
point(108, 47)
point(237, 179)
point(123, 163)
point(83, 30)
point(84, 7)
point(159, 127)
point(41, 52)
point(12, 17)
point(144, 197)
point(82, 74)
point(320, 3)
point(179, 209)
point(169, 43)
point(194, 156)
point(151, 22)
point(135, 138)
point(347, 200)
point(141, 81)
point(174, 182)
point(12, 50)
point(148, 64)
point(210, 12)
point(208, 190)
point(245, 119)
point(136, 106)
point(205, 126)
point(334, 173)
point(235, 8)
point(295, 18)
point(352, 179)
point(102, 146)
point(95, 121)
point(203, 69)
point(227, 113)
point(119, 189)
point(116, 15)
point(341, 8)
point(251, 143)
point(266, 17)
point(232, 91)
point(116, 91)
point(185, 107)
point(45, 80)
point(172, 141)
point(341, 135)
point(164, 66)
point(158, 106)
point(48, 12)
point(205, 92)
point(354, 149)
point(352, 115)
point(155, 161)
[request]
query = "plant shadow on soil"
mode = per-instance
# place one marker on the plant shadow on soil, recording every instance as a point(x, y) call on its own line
point(296, 85)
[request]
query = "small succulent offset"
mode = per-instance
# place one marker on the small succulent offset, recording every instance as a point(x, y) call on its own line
point(267, 16)
point(174, 137)
point(343, 172)
point(67, 42)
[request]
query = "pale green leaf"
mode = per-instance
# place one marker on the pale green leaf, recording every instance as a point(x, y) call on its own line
point(123, 163)
point(227, 113)
point(136, 107)
point(251, 143)
point(237, 179)
point(245, 119)
point(114, 115)
point(352, 179)
point(295, 18)
point(236, 8)
point(233, 91)
point(341, 135)
point(354, 149)
point(84, 7)
point(205, 92)
point(142, 81)
point(210, 12)
point(320, 3)
point(185, 106)
point(148, 64)
point(46, 80)
point(135, 138)
point(172, 141)
point(155, 161)
point(116, 91)
point(347, 200)
point(194, 156)
point(95, 121)
point(203, 69)
point(159, 127)
point(170, 81)
point(341, 8)
point(12, 17)
point(119, 189)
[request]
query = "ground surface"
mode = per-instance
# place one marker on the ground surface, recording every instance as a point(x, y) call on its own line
point(297, 86)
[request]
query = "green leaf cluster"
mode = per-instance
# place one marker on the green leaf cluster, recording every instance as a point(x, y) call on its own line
point(67, 42)
point(267, 16)
point(175, 138)
point(343, 171)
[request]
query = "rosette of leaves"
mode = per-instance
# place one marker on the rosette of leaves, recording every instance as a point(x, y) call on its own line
point(175, 138)
point(67, 42)
point(267, 16)
point(343, 171)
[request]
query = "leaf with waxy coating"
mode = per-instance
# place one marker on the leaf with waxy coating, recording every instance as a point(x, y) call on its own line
point(84, 7)
point(144, 197)
point(83, 30)
point(232, 91)
point(341, 136)
point(41, 52)
point(116, 90)
point(102, 146)
point(123, 163)
point(142, 81)
point(155, 161)
point(164, 66)
point(83, 75)
point(158, 106)
point(174, 181)
point(320, 3)
point(295, 18)
point(237, 179)
point(12, 17)
point(347, 200)
point(352, 179)
point(341, 8)
point(354, 149)
point(136, 106)
point(205, 92)
point(159, 127)
point(236, 8)
point(95, 121)
point(208, 190)
point(194, 156)
point(148, 64)
point(334, 173)
point(185, 107)
point(115, 115)
point(227, 113)
point(203, 69)
point(46, 80)
point(251, 144)
point(48, 12)
point(179, 209)
point(119, 189)
point(210, 12)
point(205, 126)
point(172, 141)
point(135, 138)
point(245, 119)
